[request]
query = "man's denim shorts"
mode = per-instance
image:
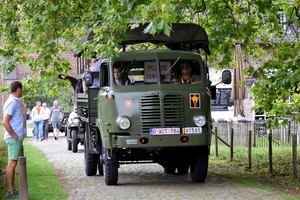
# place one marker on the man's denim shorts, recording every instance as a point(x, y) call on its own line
point(56, 124)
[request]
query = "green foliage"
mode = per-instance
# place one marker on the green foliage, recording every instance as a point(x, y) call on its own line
point(3, 156)
point(36, 32)
point(49, 91)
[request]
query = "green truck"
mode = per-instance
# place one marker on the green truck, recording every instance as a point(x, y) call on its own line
point(159, 113)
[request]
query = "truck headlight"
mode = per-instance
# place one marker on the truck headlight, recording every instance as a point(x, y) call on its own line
point(123, 122)
point(199, 120)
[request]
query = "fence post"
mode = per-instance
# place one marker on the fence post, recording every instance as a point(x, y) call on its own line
point(249, 150)
point(289, 131)
point(229, 127)
point(270, 152)
point(231, 145)
point(23, 178)
point(216, 141)
point(254, 133)
point(294, 155)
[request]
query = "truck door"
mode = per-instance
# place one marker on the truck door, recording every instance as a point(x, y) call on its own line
point(103, 95)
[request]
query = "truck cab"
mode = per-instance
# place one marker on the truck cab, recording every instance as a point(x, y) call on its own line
point(149, 107)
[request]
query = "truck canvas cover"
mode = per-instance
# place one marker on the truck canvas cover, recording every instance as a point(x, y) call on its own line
point(182, 37)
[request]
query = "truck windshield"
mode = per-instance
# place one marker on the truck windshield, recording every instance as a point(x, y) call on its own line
point(171, 71)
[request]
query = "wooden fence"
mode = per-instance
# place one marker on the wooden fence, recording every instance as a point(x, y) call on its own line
point(281, 136)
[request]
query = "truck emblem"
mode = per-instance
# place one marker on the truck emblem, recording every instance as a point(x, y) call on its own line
point(195, 100)
point(128, 103)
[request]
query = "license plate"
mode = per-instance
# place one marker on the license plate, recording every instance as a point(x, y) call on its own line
point(190, 130)
point(164, 131)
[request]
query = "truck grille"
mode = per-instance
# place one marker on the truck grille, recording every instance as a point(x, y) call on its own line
point(159, 112)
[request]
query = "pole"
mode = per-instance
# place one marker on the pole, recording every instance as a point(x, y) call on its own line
point(294, 155)
point(270, 152)
point(216, 141)
point(231, 145)
point(254, 133)
point(23, 178)
point(249, 150)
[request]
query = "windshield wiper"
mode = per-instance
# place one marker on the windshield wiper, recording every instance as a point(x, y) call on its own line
point(127, 67)
point(172, 65)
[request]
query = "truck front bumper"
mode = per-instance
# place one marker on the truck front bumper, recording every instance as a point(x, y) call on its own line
point(161, 141)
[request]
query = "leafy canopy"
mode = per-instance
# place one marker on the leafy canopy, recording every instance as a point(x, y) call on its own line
point(36, 32)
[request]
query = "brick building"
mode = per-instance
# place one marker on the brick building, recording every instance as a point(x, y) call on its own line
point(22, 71)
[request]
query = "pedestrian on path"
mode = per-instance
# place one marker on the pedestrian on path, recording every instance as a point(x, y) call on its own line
point(14, 134)
point(37, 115)
point(46, 120)
point(56, 117)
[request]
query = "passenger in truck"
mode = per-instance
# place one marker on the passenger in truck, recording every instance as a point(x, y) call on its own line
point(186, 76)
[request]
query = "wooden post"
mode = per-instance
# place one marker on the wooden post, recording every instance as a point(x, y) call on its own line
point(216, 141)
point(23, 179)
point(289, 131)
point(294, 156)
point(249, 150)
point(229, 127)
point(231, 145)
point(270, 152)
point(254, 133)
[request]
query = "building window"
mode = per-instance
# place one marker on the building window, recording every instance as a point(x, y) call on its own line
point(283, 20)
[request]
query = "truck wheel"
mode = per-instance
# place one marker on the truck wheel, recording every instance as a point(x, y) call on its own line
point(183, 161)
point(110, 167)
point(170, 169)
point(100, 169)
point(69, 144)
point(183, 168)
point(90, 162)
point(199, 164)
point(100, 165)
point(74, 141)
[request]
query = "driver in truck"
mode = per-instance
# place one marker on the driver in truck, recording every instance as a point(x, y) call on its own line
point(186, 77)
point(120, 80)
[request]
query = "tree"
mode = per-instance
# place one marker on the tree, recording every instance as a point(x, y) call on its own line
point(64, 96)
point(46, 28)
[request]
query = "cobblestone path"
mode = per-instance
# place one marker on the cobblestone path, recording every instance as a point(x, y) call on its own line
point(142, 181)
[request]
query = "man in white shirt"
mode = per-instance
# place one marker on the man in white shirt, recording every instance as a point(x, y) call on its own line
point(37, 115)
point(46, 120)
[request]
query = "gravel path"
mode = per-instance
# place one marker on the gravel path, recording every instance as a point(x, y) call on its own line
point(142, 181)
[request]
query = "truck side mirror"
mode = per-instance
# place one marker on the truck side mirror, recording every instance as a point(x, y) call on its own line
point(226, 76)
point(88, 79)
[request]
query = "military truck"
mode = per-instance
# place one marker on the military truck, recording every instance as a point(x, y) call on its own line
point(158, 117)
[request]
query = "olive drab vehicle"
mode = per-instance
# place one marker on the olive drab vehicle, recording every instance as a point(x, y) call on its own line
point(152, 114)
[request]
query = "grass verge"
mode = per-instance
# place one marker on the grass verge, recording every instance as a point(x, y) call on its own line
point(43, 182)
point(279, 182)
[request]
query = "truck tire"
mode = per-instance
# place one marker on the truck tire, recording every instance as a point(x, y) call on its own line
point(199, 164)
point(74, 141)
point(100, 165)
point(90, 162)
point(110, 167)
point(100, 169)
point(69, 144)
point(170, 169)
point(183, 161)
point(183, 168)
